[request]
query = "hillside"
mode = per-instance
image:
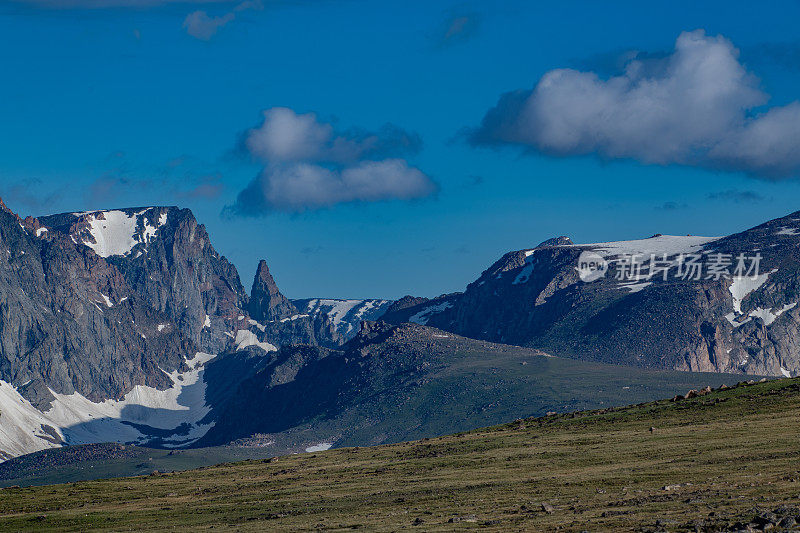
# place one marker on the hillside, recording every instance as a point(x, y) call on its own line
point(705, 463)
point(398, 383)
point(101, 461)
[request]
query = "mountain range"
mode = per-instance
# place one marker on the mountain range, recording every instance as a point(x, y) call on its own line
point(127, 325)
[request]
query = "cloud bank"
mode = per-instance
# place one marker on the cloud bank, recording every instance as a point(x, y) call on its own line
point(698, 106)
point(309, 165)
point(736, 196)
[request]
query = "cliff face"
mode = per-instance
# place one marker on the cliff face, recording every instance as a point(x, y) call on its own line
point(71, 322)
point(167, 258)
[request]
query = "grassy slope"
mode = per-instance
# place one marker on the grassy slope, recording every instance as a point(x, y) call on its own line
point(471, 384)
point(32, 470)
point(605, 470)
point(482, 388)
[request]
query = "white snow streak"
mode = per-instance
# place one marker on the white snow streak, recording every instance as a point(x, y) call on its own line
point(742, 286)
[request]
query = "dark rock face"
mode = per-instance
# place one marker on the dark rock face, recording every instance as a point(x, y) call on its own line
point(536, 298)
point(267, 304)
point(418, 310)
point(406, 302)
point(70, 321)
point(171, 265)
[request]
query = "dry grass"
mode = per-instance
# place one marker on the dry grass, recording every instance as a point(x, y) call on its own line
point(717, 455)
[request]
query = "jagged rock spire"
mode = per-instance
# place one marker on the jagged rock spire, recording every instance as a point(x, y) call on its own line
point(266, 301)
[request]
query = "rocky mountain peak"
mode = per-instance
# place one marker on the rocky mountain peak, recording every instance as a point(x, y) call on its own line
point(266, 301)
point(166, 258)
point(563, 240)
point(115, 232)
point(3, 206)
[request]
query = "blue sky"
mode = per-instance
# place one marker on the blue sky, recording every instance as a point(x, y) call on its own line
point(129, 104)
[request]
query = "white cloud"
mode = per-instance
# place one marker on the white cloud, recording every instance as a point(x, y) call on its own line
point(308, 165)
point(201, 25)
point(198, 24)
point(307, 186)
point(697, 106)
point(287, 136)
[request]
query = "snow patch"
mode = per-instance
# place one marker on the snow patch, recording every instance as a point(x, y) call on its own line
point(338, 308)
point(660, 245)
point(207, 322)
point(742, 286)
point(245, 338)
point(787, 231)
point(76, 420)
point(786, 373)
point(767, 315)
point(107, 300)
point(423, 316)
point(41, 231)
point(731, 317)
point(115, 232)
point(293, 317)
point(321, 447)
point(260, 326)
point(346, 315)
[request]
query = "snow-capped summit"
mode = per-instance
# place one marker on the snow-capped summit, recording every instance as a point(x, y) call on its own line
point(719, 304)
point(346, 315)
point(112, 232)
